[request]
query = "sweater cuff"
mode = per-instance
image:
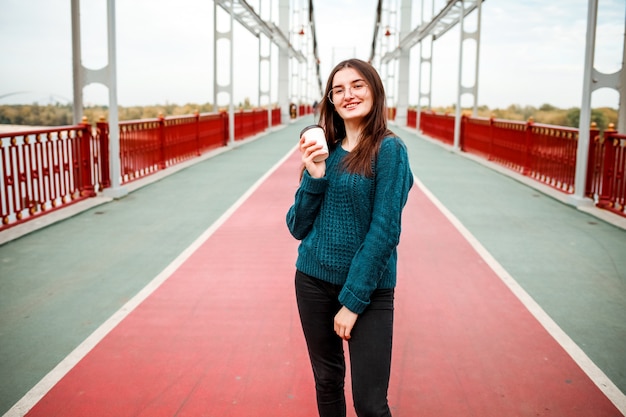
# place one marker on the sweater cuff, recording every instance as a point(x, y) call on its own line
point(353, 303)
point(313, 185)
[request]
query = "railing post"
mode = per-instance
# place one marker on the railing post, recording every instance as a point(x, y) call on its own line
point(593, 158)
point(162, 150)
point(492, 136)
point(198, 144)
point(528, 145)
point(226, 127)
point(86, 186)
point(103, 143)
point(463, 127)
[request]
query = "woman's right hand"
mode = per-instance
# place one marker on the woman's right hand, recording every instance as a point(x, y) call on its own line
point(310, 151)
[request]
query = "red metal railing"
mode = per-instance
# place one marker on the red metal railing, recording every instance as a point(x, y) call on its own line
point(43, 170)
point(150, 145)
point(438, 126)
point(250, 123)
point(610, 186)
point(276, 117)
point(551, 155)
point(46, 169)
point(411, 119)
point(543, 152)
point(147, 146)
point(141, 148)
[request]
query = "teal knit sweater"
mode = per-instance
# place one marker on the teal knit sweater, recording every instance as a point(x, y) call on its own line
point(349, 225)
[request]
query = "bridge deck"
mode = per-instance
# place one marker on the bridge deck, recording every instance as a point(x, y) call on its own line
point(505, 306)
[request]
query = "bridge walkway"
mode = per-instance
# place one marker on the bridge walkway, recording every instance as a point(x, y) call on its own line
point(178, 299)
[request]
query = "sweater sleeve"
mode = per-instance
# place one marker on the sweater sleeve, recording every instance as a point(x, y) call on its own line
point(393, 182)
point(302, 213)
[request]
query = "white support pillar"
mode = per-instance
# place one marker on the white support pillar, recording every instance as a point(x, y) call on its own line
point(458, 113)
point(283, 62)
point(423, 61)
point(228, 86)
point(593, 80)
point(265, 63)
point(77, 60)
point(473, 89)
point(427, 95)
point(582, 152)
point(116, 189)
point(476, 37)
point(311, 73)
point(107, 76)
point(621, 116)
point(298, 76)
point(389, 69)
point(404, 65)
point(265, 60)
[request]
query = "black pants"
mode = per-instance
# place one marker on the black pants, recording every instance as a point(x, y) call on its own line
point(369, 347)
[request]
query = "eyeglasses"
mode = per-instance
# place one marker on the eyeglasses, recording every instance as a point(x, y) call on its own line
point(337, 94)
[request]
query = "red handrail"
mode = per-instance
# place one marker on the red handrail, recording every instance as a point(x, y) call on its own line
point(45, 169)
point(552, 155)
point(438, 126)
point(42, 170)
point(543, 152)
point(612, 185)
point(276, 117)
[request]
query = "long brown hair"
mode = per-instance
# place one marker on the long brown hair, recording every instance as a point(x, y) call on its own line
point(374, 125)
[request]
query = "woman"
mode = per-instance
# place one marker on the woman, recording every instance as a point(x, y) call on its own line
point(347, 214)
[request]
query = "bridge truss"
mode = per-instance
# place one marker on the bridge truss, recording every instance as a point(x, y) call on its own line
point(424, 34)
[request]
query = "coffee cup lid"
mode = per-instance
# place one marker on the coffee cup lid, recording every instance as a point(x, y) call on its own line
point(308, 128)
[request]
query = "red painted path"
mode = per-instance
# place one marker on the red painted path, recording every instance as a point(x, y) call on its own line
point(221, 337)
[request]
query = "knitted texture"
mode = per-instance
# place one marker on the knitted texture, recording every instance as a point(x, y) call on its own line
point(349, 225)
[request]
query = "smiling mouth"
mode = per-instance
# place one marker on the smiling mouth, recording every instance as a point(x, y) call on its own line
point(351, 105)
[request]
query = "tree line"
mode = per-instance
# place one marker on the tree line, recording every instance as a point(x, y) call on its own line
point(545, 114)
point(62, 114)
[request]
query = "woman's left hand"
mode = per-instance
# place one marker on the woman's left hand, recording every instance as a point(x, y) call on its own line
point(344, 322)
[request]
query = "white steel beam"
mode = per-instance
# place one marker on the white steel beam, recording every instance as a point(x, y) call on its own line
point(243, 13)
point(445, 20)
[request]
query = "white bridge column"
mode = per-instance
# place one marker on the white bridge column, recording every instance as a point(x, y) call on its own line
point(593, 80)
point(283, 63)
point(107, 76)
point(404, 64)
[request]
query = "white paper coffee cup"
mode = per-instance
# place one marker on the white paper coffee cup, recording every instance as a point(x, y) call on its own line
point(315, 133)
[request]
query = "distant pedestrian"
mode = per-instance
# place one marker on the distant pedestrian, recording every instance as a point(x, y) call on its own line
point(316, 110)
point(347, 213)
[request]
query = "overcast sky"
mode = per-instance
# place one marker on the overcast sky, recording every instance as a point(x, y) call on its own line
point(531, 51)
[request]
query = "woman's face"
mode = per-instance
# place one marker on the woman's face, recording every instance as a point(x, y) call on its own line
point(351, 95)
